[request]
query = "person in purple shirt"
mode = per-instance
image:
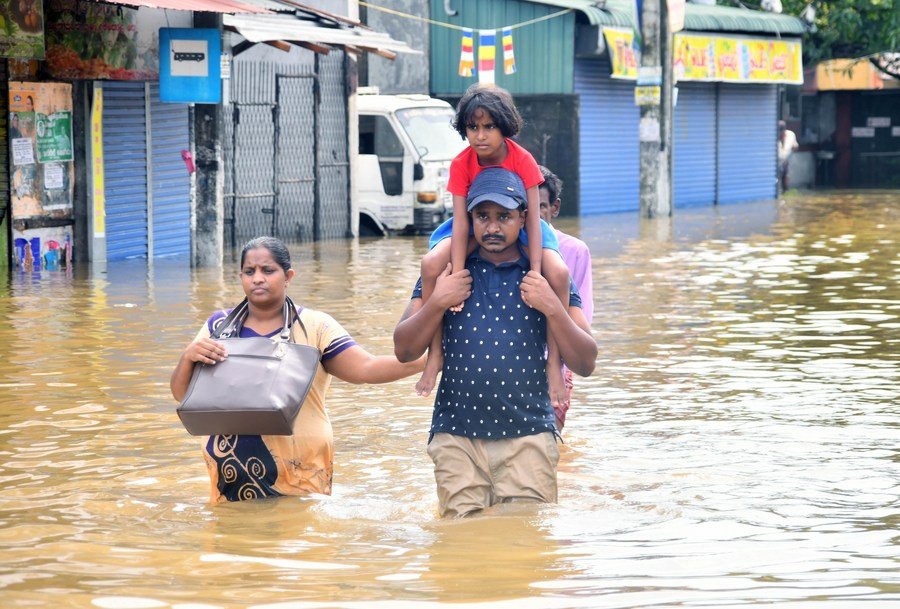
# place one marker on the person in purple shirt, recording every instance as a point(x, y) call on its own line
point(577, 257)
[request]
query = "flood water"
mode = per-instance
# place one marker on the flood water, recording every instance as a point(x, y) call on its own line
point(737, 444)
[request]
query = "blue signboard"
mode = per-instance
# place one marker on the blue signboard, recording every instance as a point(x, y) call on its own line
point(189, 68)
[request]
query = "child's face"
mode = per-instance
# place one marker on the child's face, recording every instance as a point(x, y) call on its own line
point(485, 137)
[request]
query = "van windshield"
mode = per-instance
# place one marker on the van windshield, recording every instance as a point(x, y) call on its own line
point(431, 132)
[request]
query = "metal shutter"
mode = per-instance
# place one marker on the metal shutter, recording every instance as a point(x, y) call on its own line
point(608, 137)
point(694, 172)
point(125, 169)
point(746, 142)
point(171, 183)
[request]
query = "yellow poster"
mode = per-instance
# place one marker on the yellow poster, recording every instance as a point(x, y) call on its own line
point(759, 62)
point(694, 57)
point(622, 52)
point(98, 186)
point(728, 66)
point(786, 62)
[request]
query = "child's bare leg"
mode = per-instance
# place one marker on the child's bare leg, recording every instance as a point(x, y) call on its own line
point(557, 275)
point(433, 264)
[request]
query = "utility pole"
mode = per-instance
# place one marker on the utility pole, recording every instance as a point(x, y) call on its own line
point(654, 94)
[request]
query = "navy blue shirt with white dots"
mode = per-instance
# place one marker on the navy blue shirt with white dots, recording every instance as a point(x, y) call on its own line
point(494, 380)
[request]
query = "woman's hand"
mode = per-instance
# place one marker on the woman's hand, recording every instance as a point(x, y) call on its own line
point(205, 351)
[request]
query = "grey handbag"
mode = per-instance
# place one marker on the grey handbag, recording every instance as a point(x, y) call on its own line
point(258, 389)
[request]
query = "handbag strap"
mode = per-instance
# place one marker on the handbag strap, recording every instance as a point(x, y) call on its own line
point(233, 323)
point(290, 307)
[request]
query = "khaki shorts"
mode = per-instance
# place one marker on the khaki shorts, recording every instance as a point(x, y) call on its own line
point(474, 474)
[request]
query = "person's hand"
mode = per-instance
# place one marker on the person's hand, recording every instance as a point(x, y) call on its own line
point(206, 351)
point(451, 290)
point(537, 294)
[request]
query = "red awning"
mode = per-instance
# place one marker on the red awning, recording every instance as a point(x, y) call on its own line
point(210, 6)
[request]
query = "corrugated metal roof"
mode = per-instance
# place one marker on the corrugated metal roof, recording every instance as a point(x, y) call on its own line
point(267, 28)
point(208, 6)
point(698, 17)
point(730, 19)
point(594, 14)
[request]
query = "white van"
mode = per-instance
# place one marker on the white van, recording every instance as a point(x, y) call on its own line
point(406, 144)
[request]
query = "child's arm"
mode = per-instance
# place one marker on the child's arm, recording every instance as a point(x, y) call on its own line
point(533, 228)
point(459, 237)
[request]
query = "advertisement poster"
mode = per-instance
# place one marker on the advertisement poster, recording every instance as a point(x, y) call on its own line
point(105, 41)
point(43, 248)
point(694, 58)
point(727, 61)
point(22, 29)
point(40, 133)
point(624, 55)
point(54, 136)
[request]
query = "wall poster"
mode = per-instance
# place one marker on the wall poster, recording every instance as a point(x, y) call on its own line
point(42, 173)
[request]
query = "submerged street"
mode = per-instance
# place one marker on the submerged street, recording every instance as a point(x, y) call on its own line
point(736, 445)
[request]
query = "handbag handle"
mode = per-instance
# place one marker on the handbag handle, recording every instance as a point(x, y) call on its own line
point(235, 320)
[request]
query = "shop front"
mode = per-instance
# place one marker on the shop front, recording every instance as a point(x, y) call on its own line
point(725, 119)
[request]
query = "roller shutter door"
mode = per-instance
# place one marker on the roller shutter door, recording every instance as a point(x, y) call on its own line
point(125, 169)
point(746, 142)
point(694, 172)
point(171, 182)
point(608, 139)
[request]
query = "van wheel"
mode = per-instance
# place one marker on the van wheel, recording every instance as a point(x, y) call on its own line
point(369, 228)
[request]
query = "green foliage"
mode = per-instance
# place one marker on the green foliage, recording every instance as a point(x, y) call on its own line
point(852, 28)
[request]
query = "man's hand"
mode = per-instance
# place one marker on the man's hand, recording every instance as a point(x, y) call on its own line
point(450, 290)
point(537, 294)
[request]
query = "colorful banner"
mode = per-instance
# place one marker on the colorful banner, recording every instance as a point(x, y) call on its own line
point(623, 52)
point(466, 54)
point(694, 57)
point(487, 53)
point(509, 58)
point(22, 29)
point(714, 58)
point(741, 60)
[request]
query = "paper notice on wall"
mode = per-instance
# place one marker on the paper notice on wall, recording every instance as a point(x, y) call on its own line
point(895, 131)
point(862, 132)
point(878, 121)
point(53, 176)
point(22, 151)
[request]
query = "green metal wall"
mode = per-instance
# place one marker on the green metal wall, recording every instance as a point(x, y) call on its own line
point(544, 51)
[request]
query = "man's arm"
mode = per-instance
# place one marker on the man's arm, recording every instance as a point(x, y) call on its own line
point(577, 347)
point(422, 319)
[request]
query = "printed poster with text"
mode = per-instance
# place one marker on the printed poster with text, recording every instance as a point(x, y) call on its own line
point(41, 171)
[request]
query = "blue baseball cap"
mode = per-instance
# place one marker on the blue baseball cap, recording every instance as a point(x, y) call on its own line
point(496, 185)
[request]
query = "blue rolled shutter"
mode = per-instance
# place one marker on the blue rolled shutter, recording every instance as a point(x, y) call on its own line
point(746, 142)
point(608, 139)
point(694, 171)
point(171, 182)
point(125, 169)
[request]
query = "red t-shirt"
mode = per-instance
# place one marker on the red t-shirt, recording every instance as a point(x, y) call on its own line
point(465, 167)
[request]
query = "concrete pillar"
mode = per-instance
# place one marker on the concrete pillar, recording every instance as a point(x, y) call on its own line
point(208, 242)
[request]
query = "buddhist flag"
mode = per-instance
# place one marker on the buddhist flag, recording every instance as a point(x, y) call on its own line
point(467, 55)
point(487, 53)
point(509, 59)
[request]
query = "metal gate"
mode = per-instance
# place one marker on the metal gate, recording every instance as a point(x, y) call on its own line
point(286, 168)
